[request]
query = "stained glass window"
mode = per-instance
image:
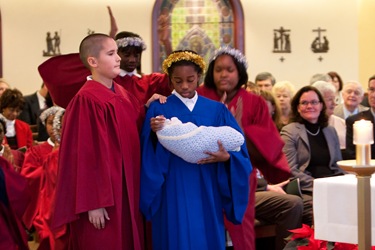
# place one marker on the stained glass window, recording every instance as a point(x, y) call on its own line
point(199, 25)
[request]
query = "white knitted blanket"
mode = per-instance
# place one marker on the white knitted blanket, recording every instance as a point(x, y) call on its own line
point(189, 141)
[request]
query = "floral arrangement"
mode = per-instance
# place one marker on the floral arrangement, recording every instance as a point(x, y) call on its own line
point(303, 239)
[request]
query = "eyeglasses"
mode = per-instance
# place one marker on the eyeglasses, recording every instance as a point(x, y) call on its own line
point(306, 103)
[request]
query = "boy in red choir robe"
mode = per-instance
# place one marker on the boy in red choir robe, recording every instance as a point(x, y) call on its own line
point(97, 190)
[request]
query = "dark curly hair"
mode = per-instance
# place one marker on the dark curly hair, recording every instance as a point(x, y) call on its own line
point(12, 98)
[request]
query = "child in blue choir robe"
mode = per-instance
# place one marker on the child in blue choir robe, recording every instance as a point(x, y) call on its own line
point(185, 201)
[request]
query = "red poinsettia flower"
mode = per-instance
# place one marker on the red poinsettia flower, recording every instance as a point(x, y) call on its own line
point(304, 232)
point(345, 246)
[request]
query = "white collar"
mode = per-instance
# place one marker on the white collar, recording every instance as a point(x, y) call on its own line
point(189, 102)
point(50, 142)
point(347, 113)
point(124, 73)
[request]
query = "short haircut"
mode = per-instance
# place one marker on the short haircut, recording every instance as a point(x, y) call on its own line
point(265, 76)
point(284, 86)
point(371, 78)
point(91, 45)
point(324, 87)
point(320, 77)
point(12, 98)
point(2, 80)
point(359, 86)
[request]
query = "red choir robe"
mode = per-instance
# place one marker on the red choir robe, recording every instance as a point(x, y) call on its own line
point(13, 201)
point(99, 167)
point(71, 74)
point(32, 169)
point(48, 239)
point(261, 134)
point(23, 133)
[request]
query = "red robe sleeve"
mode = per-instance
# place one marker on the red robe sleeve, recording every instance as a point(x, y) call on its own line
point(12, 233)
point(23, 133)
point(32, 169)
point(262, 137)
point(63, 75)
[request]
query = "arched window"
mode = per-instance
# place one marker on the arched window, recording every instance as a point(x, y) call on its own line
point(199, 25)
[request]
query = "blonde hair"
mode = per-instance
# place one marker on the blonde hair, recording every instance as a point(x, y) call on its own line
point(284, 86)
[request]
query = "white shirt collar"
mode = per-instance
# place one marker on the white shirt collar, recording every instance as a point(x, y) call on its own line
point(189, 102)
point(11, 131)
point(50, 142)
point(41, 100)
point(347, 113)
point(124, 73)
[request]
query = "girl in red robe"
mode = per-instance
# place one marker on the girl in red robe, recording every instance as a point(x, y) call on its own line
point(58, 238)
point(225, 77)
point(32, 167)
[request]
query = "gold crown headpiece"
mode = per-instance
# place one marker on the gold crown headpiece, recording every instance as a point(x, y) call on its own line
point(183, 56)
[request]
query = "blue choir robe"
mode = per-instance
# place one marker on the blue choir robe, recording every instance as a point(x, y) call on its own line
point(185, 201)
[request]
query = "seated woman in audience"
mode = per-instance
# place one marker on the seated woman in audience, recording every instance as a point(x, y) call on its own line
point(284, 91)
point(3, 86)
point(273, 108)
point(328, 92)
point(32, 167)
point(14, 157)
point(56, 239)
point(311, 146)
point(338, 84)
point(18, 133)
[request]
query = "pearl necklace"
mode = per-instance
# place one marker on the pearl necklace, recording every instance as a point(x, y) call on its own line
point(313, 134)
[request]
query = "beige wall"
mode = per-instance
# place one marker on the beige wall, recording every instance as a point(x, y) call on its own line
point(26, 22)
point(366, 40)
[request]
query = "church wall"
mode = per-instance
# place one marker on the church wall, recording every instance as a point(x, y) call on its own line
point(25, 24)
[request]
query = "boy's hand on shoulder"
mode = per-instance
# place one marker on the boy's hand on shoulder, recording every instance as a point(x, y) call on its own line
point(97, 217)
point(162, 99)
point(220, 156)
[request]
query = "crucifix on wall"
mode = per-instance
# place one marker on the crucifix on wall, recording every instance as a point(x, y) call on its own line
point(281, 40)
point(320, 43)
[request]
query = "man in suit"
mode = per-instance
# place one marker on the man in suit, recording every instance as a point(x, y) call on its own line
point(366, 115)
point(34, 105)
point(352, 94)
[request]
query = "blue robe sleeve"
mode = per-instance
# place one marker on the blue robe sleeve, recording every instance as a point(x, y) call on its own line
point(153, 168)
point(234, 177)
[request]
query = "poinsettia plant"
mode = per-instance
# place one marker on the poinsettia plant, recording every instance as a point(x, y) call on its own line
point(303, 239)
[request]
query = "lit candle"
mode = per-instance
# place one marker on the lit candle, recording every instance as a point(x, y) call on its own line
point(363, 132)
